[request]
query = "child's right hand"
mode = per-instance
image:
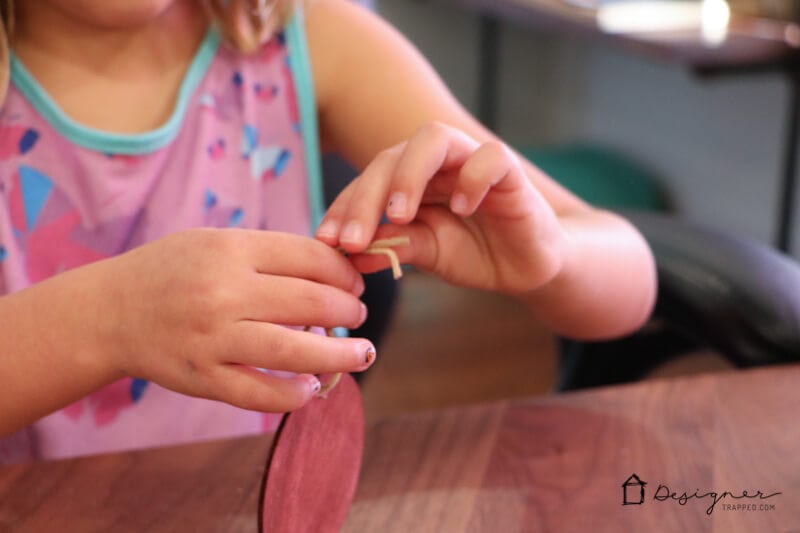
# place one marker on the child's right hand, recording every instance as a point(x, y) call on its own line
point(198, 311)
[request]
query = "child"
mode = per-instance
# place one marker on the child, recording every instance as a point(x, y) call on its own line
point(130, 131)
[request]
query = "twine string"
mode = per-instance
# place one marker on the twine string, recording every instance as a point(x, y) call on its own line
point(380, 246)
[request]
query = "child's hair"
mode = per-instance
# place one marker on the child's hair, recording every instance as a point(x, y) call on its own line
point(247, 24)
point(244, 24)
point(6, 29)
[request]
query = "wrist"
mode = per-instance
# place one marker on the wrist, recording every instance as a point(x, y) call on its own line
point(53, 351)
point(552, 264)
point(606, 285)
point(83, 300)
point(554, 268)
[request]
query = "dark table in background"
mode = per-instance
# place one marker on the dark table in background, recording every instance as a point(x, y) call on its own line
point(751, 46)
point(553, 463)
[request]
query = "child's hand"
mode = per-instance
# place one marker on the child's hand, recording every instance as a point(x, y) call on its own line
point(198, 311)
point(473, 215)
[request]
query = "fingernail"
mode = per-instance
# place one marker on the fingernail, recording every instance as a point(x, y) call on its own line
point(458, 203)
point(363, 315)
point(358, 286)
point(369, 356)
point(352, 232)
point(398, 204)
point(328, 229)
point(314, 383)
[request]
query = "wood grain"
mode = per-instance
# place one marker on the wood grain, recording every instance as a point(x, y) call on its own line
point(538, 464)
point(313, 470)
point(212, 486)
point(558, 463)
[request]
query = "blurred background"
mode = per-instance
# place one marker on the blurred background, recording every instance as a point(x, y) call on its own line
point(695, 119)
point(715, 144)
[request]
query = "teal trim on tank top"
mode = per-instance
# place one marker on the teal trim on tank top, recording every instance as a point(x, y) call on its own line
point(118, 143)
point(300, 65)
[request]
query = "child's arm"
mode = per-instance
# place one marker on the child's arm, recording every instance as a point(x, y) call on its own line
point(486, 218)
point(193, 312)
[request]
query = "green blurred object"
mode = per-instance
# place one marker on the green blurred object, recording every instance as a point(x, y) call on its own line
point(599, 176)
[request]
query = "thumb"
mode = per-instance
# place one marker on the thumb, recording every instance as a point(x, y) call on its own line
point(421, 251)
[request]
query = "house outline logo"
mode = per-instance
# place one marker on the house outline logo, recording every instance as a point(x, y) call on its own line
point(630, 494)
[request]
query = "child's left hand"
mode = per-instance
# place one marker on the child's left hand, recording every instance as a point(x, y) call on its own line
point(473, 215)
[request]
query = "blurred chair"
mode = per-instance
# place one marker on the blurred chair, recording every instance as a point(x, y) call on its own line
point(733, 295)
point(601, 176)
point(718, 292)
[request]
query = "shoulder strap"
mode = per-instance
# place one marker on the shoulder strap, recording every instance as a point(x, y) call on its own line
point(300, 65)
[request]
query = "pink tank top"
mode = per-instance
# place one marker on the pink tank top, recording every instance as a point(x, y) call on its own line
point(237, 152)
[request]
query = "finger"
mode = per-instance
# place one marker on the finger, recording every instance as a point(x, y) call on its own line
point(252, 389)
point(331, 224)
point(300, 302)
point(368, 200)
point(422, 250)
point(275, 347)
point(488, 166)
point(285, 254)
point(433, 149)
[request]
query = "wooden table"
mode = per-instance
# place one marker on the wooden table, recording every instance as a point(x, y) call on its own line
point(213, 486)
point(541, 464)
